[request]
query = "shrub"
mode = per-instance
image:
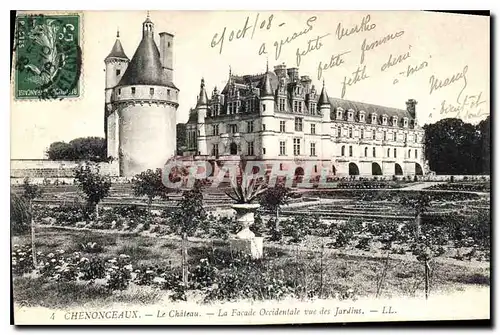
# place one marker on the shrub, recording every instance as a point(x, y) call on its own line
point(22, 262)
point(364, 243)
point(91, 247)
point(118, 273)
point(92, 269)
point(343, 238)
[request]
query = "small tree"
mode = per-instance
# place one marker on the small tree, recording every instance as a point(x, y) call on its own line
point(423, 244)
point(186, 219)
point(273, 198)
point(30, 193)
point(93, 184)
point(149, 183)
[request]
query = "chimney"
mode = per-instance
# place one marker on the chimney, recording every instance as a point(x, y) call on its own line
point(411, 108)
point(166, 55)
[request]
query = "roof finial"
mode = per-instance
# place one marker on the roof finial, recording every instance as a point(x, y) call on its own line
point(323, 82)
point(229, 71)
point(117, 32)
point(267, 64)
point(202, 85)
point(147, 14)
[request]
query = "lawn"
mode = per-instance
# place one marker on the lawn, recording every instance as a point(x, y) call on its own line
point(306, 270)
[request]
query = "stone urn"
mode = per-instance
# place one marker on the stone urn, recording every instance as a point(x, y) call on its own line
point(246, 241)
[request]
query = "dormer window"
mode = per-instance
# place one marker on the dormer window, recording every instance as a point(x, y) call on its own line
point(395, 121)
point(361, 116)
point(384, 120)
point(340, 114)
point(374, 118)
point(405, 122)
point(350, 115)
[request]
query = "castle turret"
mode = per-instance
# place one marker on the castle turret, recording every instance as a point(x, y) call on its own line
point(324, 108)
point(202, 108)
point(116, 63)
point(146, 102)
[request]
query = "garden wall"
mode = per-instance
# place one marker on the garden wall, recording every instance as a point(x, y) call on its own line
point(37, 169)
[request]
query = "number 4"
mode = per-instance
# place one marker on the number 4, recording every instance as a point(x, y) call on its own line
point(52, 316)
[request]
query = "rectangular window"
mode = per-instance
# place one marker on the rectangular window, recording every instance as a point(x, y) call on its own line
point(168, 93)
point(216, 129)
point(263, 127)
point(312, 109)
point(395, 153)
point(416, 138)
point(362, 133)
point(282, 104)
point(250, 126)
point(300, 103)
point(416, 153)
point(119, 91)
point(250, 148)
point(215, 150)
point(374, 134)
point(282, 148)
point(339, 131)
point(313, 149)
point(133, 90)
point(282, 126)
point(151, 91)
point(296, 146)
point(385, 136)
point(118, 72)
point(263, 151)
point(263, 107)
point(374, 152)
point(350, 132)
point(313, 129)
point(406, 137)
point(298, 124)
point(350, 150)
point(233, 128)
point(395, 136)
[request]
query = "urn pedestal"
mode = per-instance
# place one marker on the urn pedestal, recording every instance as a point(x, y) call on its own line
point(245, 241)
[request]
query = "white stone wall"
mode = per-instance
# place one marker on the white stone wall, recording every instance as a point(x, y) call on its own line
point(147, 135)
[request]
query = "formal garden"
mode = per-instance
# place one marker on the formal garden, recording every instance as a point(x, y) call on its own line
point(170, 245)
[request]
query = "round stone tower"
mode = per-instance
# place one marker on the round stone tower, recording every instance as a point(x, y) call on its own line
point(145, 101)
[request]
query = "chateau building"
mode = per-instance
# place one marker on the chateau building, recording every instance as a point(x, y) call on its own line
point(281, 117)
point(141, 101)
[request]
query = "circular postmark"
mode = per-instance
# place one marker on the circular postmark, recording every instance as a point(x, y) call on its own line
point(48, 56)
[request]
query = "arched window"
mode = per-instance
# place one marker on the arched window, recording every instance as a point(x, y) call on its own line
point(343, 151)
point(350, 150)
point(366, 152)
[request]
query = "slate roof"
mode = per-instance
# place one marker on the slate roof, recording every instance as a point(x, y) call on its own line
point(117, 51)
point(368, 108)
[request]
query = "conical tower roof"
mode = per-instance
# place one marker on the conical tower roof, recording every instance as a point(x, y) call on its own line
point(323, 97)
point(145, 67)
point(202, 98)
point(266, 89)
point(117, 51)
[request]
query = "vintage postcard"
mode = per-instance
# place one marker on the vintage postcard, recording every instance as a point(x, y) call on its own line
point(250, 167)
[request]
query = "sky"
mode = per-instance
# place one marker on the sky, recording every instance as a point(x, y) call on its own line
point(440, 60)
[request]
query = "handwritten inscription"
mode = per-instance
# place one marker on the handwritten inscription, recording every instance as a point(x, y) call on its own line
point(468, 108)
point(312, 45)
point(357, 76)
point(436, 83)
point(365, 25)
point(394, 60)
point(238, 34)
point(278, 46)
point(335, 61)
point(365, 46)
point(411, 70)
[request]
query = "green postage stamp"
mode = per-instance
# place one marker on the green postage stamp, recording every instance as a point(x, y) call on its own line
point(48, 56)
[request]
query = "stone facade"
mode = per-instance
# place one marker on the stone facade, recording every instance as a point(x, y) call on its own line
point(281, 117)
point(141, 104)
